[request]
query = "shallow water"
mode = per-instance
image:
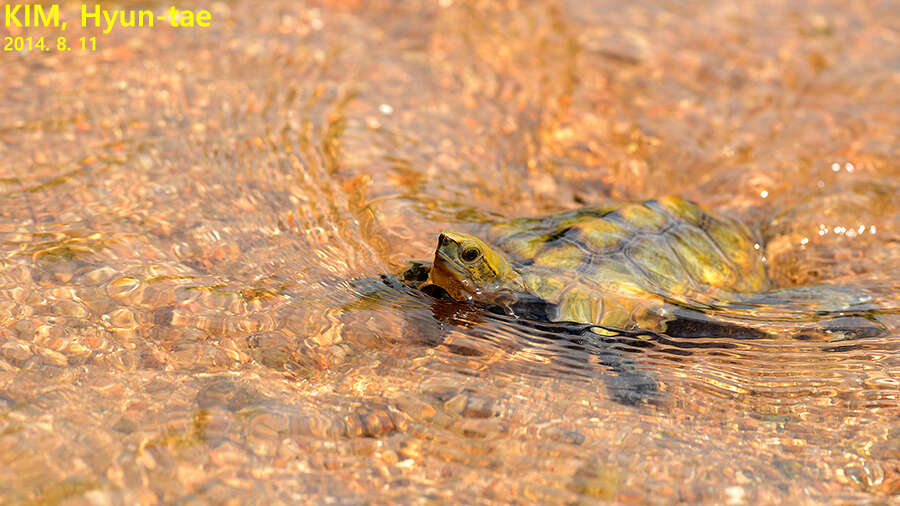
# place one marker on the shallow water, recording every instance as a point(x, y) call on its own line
point(193, 222)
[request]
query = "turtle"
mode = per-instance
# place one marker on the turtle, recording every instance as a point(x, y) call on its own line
point(649, 265)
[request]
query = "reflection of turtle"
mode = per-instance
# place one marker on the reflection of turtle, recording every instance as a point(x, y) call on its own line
point(627, 266)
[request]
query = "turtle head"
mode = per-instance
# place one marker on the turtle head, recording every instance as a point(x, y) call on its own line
point(471, 271)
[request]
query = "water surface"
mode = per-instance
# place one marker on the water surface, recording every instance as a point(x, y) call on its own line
point(186, 215)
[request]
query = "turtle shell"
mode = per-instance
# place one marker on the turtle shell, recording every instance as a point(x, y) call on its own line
point(620, 264)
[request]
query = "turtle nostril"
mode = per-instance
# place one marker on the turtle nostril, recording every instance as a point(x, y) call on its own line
point(442, 240)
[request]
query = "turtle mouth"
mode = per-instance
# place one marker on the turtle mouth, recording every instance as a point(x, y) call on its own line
point(449, 264)
point(450, 277)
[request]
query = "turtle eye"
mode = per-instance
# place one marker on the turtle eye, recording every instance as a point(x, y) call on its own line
point(470, 254)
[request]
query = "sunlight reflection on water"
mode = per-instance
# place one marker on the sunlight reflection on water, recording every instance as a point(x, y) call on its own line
point(193, 226)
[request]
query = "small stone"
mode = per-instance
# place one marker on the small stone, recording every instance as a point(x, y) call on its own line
point(122, 318)
point(15, 351)
point(123, 287)
point(125, 425)
point(100, 275)
point(412, 449)
point(51, 357)
point(457, 404)
point(70, 308)
point(735, 495)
